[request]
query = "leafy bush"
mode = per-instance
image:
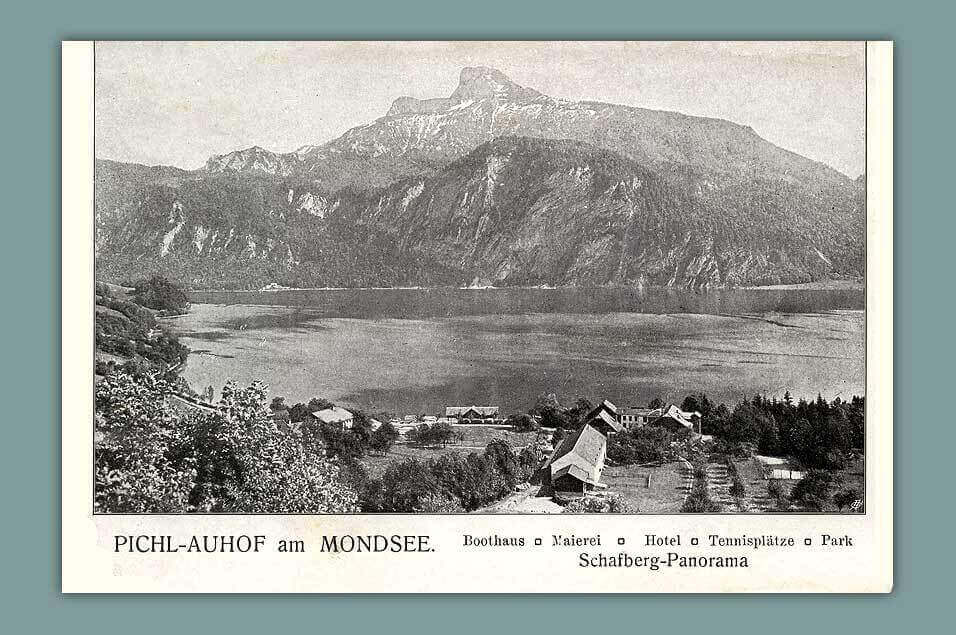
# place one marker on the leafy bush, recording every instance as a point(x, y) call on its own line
point(640, 445)
point(522, 423)
point(813, 490)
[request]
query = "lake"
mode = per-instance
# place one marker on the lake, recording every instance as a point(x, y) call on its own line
point(417, 350)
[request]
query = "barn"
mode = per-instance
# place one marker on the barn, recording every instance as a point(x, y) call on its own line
point(577, 463)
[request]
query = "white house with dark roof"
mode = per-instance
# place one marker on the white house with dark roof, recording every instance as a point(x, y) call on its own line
point(667, 416)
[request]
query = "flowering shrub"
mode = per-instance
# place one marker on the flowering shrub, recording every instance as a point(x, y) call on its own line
point(610, 504)
point(150, 459)
point(136, 434)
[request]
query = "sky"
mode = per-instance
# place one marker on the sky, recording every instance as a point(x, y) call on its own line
point(178, 103)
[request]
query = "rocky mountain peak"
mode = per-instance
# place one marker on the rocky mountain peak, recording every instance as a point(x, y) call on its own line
point(474, 84)
point(482, 82)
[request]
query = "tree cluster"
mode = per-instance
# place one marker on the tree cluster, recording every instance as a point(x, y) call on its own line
point(436, 434)
point(818, 433)
point(452, 482)
point(127, 329)
point(549, 412)
point(158, 293)
point(645, 444)
point(523, 423)
point(332, 440)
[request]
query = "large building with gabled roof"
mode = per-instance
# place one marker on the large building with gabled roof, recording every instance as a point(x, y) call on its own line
point(605, 418)
point(472, 414)
point(578, 461)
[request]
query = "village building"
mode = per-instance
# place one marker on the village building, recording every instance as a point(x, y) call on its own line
point(669, 416)
point(335, 416)
point(674, 416)
point(634, 417)
point(606, 423)
point(605, 418)
point(472, 414)
point(578, 461)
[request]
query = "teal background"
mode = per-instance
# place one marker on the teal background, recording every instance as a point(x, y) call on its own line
point(30, 259)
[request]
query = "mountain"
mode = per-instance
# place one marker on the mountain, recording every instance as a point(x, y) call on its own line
point(418, 135)
point(499, 184)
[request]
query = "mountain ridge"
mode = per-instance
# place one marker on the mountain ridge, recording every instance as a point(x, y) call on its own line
point(737, 209)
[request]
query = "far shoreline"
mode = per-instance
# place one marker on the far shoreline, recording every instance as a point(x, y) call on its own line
point(818, 285)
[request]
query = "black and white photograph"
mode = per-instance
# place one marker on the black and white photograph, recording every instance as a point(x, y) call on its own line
point(479, 278)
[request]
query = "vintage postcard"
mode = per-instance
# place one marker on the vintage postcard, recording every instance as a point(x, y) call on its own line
point(599, 317)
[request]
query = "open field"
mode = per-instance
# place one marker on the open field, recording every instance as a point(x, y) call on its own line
point(480, 436)
point(475, 440)
point(668, 485)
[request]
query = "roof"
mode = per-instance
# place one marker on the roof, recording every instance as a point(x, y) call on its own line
point(673, 413)
point(584, 449)
point(574, 471)
point(607, 404)
point(455, 411)
point(332, 415)
point(684, 417)
point(603, 418)
point(604, 406)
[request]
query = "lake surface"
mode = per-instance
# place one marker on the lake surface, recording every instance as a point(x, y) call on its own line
point(417, 350)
